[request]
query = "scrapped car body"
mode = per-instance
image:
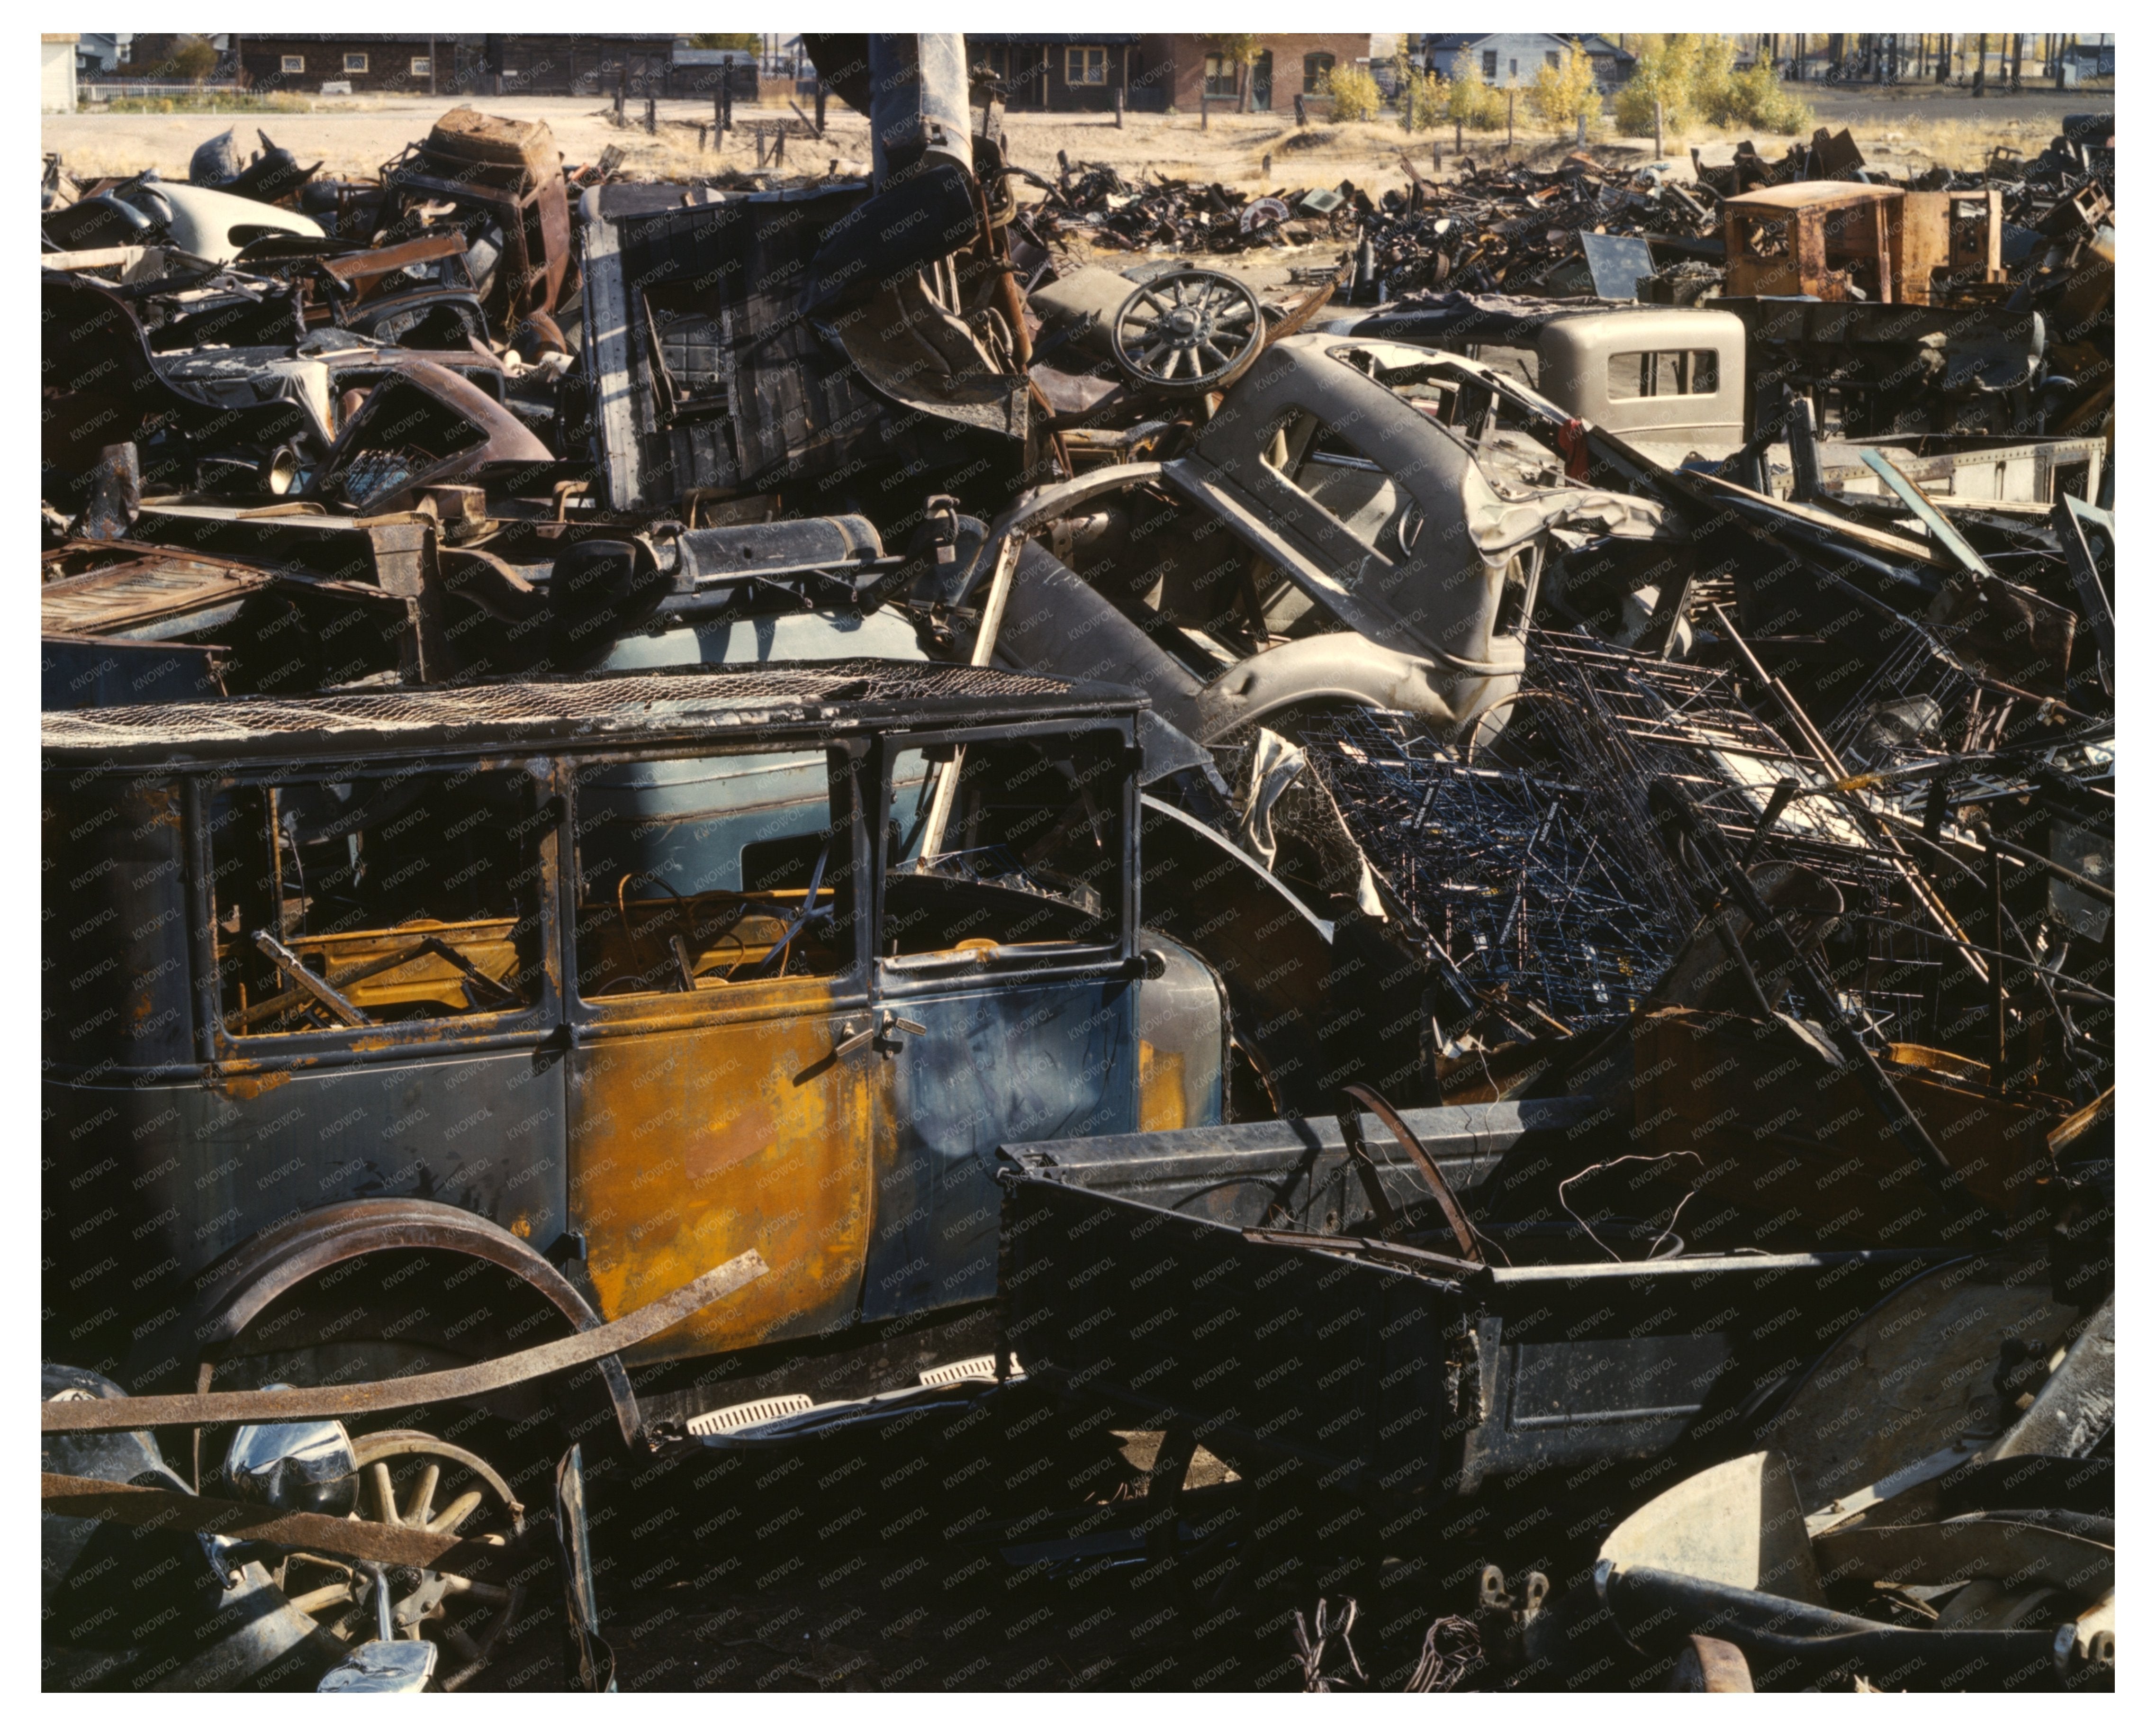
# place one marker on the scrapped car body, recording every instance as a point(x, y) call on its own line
point(617, 977)
point(1660, 380)
point(1357, 524)
point(1361, 1342)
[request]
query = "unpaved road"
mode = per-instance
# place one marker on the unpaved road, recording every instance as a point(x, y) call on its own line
point(357, 136)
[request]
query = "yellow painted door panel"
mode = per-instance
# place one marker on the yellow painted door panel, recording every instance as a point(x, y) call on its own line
point(691, 1144)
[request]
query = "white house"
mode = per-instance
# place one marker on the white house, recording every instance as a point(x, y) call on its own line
point(1509, 61)
point(56, 73)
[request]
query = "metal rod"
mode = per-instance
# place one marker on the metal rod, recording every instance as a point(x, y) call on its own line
point(1868, 817)
point(288, 962)
point(481, 1378)
point(1820, 998)
point(2043, 971)
point(1998, 972)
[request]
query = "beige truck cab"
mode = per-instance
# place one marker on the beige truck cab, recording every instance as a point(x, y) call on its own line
point(1669, 381)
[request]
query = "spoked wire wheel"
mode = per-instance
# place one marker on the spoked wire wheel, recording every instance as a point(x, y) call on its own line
point(415, 1480)
point(1189, 332)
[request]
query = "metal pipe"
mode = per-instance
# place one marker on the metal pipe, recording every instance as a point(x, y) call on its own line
point(1997, 972)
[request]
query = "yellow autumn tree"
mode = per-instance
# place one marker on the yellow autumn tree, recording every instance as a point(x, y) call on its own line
point(1471, 101)
point(1423, 101)
point(1354, 93)
point(1664, 73)
point(1563, 92)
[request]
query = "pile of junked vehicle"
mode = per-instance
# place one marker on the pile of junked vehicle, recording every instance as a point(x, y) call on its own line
point(749, 872)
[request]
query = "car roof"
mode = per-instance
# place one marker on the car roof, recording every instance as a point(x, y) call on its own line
point(800, 703)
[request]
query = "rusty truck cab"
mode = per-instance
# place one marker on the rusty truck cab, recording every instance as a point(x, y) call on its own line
point(602, 981)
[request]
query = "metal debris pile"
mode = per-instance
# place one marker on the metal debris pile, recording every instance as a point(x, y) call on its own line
point(1092, 201)
point(917, 911)
point(1517, 885)
point(1505, 227)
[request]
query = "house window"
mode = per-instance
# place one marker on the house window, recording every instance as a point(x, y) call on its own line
point(1552, 59)
point(1085, 65)
point(293, 62)
point(421, 66)
point(1315, 67)
point(355, 63)
point(1220, 75)
point(1489, 64)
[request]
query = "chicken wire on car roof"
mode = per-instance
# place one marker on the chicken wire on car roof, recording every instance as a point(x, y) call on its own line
point(718, 694)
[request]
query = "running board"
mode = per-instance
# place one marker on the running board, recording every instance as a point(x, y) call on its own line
point(767, 1417)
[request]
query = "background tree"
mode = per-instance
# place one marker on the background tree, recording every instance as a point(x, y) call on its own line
point(1423, 101)
point(1663, 72)
point(1565, 93)
point(747, 39)
point(1354, 92)
point(1240, 51)
point(1471, 101)
point(195, 59)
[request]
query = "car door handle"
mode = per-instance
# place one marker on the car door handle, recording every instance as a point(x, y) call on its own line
point(879, 1035)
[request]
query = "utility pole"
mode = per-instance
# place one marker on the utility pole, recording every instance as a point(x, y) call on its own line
point(1982, 48)
point(430, 65)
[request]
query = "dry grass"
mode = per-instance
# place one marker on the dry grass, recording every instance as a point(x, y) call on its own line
point(355, 137)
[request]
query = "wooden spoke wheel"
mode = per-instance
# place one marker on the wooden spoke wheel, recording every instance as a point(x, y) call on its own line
point(415, 1480)
point(1189, 332)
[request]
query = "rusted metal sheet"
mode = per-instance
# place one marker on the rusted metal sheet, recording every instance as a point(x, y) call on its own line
point(113, 586)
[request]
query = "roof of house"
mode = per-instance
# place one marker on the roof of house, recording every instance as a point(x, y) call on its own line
point(1015, 39)
point(1453, 42)
point(455, 36)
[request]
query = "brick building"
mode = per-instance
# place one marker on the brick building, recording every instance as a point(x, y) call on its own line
point(1177, 71)
point(1061, 72)
point(469, 64)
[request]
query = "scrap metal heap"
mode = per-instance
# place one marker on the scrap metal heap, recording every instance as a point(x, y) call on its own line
point(1621, 897)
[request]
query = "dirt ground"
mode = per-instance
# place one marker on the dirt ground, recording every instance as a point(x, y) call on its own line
point(1901, 129)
